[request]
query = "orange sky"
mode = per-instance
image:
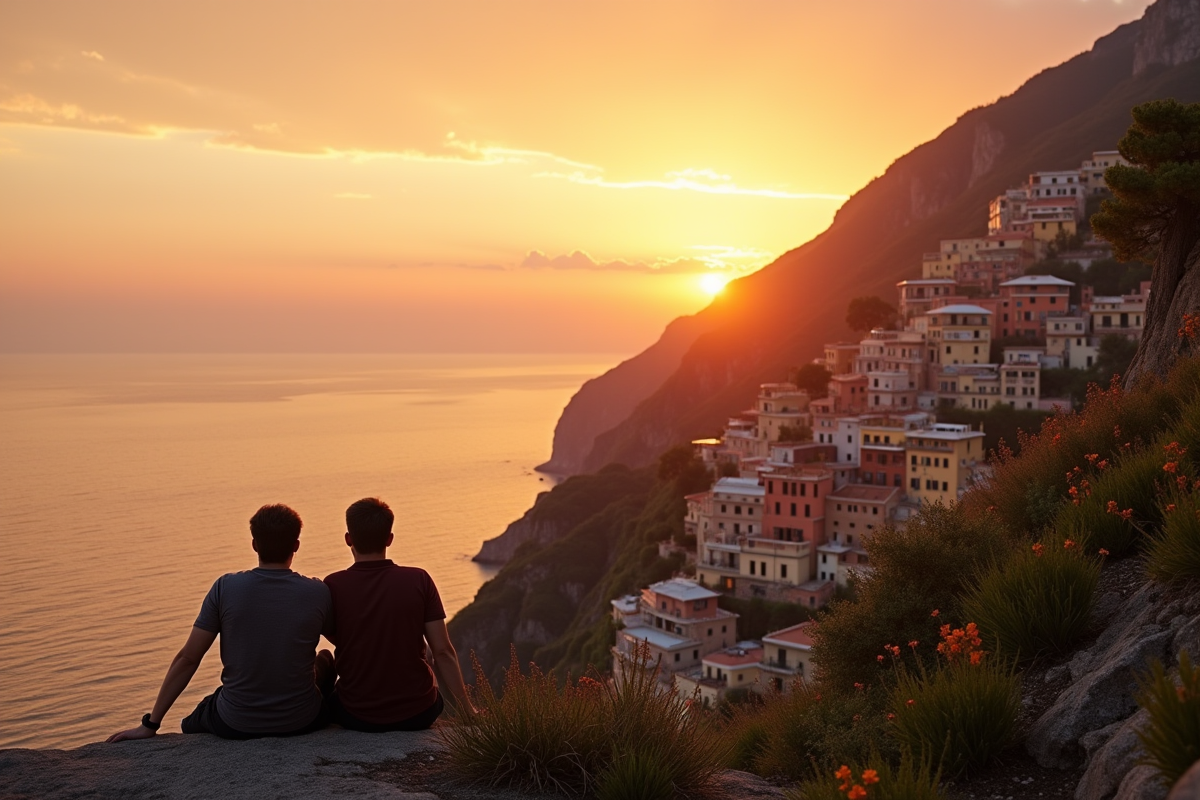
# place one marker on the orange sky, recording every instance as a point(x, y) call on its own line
point(308, 176)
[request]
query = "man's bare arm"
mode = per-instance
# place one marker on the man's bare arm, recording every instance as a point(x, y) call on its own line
point(182, 668)
point(445, 666)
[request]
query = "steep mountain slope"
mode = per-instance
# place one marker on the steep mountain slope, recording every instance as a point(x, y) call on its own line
point(780, 316)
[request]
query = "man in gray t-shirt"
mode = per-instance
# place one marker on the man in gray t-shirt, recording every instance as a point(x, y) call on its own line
point(270, 620)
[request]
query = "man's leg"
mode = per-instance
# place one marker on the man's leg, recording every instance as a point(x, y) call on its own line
point(205, 719)
point(417, 722)
point(324, 673)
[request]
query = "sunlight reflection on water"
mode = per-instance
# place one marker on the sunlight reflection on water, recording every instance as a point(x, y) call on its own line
point(127, 482)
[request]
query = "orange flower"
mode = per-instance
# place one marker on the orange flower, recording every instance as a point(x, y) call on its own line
point(1091, 457)
point(879, 659)
point(1112, 507)
point(1103, 552)
point(976, 657)
point(1174, 450)
point(913, 644)
point(1170, 507)
point(891, 716)
point(856, 793)
point(843, 774)
point(1127, 513)
point(1037, 549)
point(857, 717)
point(895, 650)
point(1068, 544)
point(1171, 466)
point(935, 613)
point(858, 686)
point(910, 703)
point(870, 776)
point(1102, 465)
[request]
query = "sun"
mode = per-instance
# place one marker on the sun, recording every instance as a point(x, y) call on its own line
point(713, 283)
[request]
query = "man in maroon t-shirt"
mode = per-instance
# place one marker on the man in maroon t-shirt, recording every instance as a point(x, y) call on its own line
point(383, 616)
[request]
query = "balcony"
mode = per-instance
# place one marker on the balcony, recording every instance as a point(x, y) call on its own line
point(781, 667)
point(775, 547)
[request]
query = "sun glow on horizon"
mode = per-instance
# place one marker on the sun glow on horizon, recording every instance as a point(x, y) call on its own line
point(713, 283)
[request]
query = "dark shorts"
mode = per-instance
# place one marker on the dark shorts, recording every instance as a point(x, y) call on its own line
point(417, 722)
point(205, 719)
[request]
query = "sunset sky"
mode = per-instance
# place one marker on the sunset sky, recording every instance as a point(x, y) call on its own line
point(456, 176)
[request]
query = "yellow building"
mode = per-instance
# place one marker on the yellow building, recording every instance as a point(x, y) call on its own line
point(781, 405)
point(958, 334)
point(977, 387)
point(839, 357)
point(943, 462)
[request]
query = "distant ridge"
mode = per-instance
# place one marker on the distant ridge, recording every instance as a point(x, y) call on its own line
point(707, 366)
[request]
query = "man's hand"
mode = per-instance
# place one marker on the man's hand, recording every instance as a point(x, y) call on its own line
point(140, 732)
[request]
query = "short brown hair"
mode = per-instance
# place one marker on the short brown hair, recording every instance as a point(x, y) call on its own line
point(369, 523)
point(275, 530)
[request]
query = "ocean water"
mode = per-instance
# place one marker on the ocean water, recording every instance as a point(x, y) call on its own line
point(127, 482)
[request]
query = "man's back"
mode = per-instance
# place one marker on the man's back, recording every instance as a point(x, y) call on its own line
point(380, 610)
point(269, 621)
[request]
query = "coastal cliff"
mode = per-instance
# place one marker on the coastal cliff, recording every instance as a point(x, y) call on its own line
point(773, 320)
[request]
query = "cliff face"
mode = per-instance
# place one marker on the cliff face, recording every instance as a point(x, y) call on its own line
point(1170, 35)
point(603, 402)
point(781, 316)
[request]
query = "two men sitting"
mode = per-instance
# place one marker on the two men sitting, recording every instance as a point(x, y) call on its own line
point(379, 616)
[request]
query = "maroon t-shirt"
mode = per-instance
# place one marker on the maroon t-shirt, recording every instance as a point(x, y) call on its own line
point(379, 612)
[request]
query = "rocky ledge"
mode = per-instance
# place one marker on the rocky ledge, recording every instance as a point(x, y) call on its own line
point(328, 763)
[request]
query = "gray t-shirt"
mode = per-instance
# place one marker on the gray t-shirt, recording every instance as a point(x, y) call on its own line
point(269, 621)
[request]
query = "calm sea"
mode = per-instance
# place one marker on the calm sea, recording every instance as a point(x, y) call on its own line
point(126, 483)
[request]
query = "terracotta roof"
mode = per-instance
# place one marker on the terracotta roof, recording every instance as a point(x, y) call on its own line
point(797, 634)
point(735, 657)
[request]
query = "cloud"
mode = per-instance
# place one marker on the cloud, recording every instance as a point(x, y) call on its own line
point(706, 181)
point(30, 109)
point(92, 54)
point(353, 196)
point(579, 260)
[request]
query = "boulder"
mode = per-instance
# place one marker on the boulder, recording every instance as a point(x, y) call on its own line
point(1188, 786)
point(1142, 783)
point(1113, 752)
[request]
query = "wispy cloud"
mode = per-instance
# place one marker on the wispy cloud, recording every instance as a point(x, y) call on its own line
point(717, 259)
point(30, 109)
point(92, 54)
point(706, 181)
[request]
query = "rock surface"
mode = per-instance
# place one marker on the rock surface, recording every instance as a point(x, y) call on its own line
point(1104, 682)
point(1187, 787)
point(502, 548)
point(329, 763)
point(1170, 35)
point(324, 764)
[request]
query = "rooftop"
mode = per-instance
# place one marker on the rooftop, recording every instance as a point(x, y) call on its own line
point(795, 635)
point(927, 282)
point(858, 491)
point(682, 589)
point(1037, 280)
point(962, 308)
point(661, 639)
point(743, 654)
point(746, 486)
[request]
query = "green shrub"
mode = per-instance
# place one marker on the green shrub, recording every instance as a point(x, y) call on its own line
point(1172, 739)
point(927, 566)
point(960, 715)
point(786, 734)
point(1174, 552)
point(908, 781)
point(1133, 482)
point(587, 735)
point(1110, 418)
point(637, 776)
point(1038, 601)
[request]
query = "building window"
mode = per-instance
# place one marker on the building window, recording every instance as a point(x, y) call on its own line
point(783, 570)
point(677, 656)
point(793, 509)
point(752, 566)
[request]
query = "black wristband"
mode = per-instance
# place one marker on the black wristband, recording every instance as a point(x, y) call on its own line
point(146, 723)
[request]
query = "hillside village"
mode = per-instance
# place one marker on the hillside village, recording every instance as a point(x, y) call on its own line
point(804, 481)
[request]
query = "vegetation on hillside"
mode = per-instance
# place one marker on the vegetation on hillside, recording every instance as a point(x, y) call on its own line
point(1154, 216)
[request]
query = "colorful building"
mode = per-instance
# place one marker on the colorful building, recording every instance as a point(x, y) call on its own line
point(943, 462)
